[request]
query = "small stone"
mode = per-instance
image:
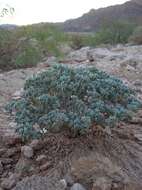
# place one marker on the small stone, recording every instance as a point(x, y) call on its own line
point(13, 125)
point(27, 151)
point(77, 186)
point(138, 137)
point(41, 159)
point(45, 166)
point(63, 184)
point(1, 168)
point(69, 180)
point(36, 127)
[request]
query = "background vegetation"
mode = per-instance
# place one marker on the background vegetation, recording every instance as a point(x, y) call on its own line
point(136, 37)
point(27, 45)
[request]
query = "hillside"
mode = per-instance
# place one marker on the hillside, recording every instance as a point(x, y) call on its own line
point(130, 11)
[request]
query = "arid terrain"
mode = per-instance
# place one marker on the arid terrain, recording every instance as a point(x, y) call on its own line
point(102, 160)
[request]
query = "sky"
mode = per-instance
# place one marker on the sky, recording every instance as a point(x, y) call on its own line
point(35, 11)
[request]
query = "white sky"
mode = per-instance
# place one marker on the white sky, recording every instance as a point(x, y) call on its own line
point(34, 11)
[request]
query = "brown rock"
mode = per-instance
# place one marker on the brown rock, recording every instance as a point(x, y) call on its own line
point(45, 166)
point(41, 159)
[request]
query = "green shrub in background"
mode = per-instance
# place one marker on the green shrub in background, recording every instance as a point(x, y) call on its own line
point(111, 33)
point(25, 46)
point(114, 33)
point(136, 37)
point(79, 40)
point(73, 99)
point(7, 44)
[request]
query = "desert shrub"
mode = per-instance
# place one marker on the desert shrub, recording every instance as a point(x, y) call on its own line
point(76, 41)
point(136, 37)
point(73, 99)
point(48, 36)
point(79, 40)
point(114, 33)
point(7, 43)
point(25, 46)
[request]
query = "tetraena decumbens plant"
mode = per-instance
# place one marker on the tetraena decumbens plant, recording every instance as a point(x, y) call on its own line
point(72, 98)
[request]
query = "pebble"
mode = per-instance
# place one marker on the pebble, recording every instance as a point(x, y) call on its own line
point(27, 151)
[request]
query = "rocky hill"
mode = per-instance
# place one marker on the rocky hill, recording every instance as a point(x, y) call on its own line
point(130, 11)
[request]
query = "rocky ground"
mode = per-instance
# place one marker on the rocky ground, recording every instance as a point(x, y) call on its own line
point(103, 160)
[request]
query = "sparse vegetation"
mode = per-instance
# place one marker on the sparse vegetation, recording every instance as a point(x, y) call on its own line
point(26, 46)
point(136, 37)
point(114, 33)
point(73, 99)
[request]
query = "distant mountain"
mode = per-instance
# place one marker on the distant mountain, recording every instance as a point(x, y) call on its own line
point(130, 11)
point(8, 26)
